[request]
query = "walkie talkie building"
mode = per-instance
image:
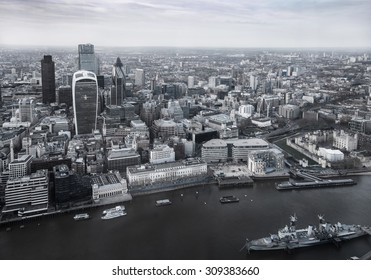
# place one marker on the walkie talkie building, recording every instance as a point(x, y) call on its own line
point(85, 101)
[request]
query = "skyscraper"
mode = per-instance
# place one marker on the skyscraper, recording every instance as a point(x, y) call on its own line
point(85, 101)
point(48, 79)
point(87, 58)
point(139, 77)
point(118, 87)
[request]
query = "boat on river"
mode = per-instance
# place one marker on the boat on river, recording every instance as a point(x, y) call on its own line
point(290, 238)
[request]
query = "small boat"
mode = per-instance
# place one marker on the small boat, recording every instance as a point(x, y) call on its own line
point(116, 212)
point(83, 216)
point(229, 199)
point(163, 202)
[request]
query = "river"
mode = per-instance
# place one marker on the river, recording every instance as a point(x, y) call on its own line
point(195, 226)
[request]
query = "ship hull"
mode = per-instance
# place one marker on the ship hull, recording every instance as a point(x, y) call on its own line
point(263, 244)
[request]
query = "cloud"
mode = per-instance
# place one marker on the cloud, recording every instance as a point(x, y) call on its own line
point(211, 22)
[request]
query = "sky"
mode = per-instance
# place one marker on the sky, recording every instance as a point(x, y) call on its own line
point(187, 23)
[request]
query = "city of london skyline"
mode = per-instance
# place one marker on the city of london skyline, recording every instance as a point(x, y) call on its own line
point(201, 23)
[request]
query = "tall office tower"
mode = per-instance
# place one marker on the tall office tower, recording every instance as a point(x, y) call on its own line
point(65, 95)
point(48, 79)
point(254, 82)
point(85, 101)
point(118, 87)
point(26, 110)
point(139, 77)
point(87, 59)
point(191, 81)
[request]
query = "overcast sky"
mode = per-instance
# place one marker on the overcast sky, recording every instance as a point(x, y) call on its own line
point(188, 23)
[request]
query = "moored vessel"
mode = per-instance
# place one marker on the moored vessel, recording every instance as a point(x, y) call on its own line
point(163, 202)
point(290, 238)
point(115, 212)
point(82, 216)
point(229, 199)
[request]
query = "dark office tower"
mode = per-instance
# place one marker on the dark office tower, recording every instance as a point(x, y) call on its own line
point(48, 79)
point(87, 58)
point(85, 101)
point(118, 86)
point(65, 95)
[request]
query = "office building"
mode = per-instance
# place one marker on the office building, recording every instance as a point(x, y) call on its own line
point(214, 150)
point(27, 194)
point(26, 110)
point(108, 186)
point(118, 86)
point(85, 101)
point(20, 167)
point(146, 174)
point(65, 95)
point(87, 59)
point(191, 82)
point(139, 77)
point(119, 159)
point(161, 154)
point(48, 79)
point(289, 111)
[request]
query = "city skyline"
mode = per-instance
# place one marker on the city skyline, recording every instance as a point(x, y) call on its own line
point(201, 23)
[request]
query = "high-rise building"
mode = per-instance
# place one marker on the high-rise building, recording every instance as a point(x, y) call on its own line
point(85, 101)
point(87, 59)
point(118, 87)
point(139, 77)
point(26, 110)
point(48, 79)
point(65, 95)
point(191, 81)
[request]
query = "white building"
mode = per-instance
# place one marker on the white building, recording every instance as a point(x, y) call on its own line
point(161, 154)
point(147, 174)
point(246, 111)
point(241, 148)
point(191, 82)
point(110, 185)
point(139, 77)
point(331, 155)
point(345, 141)
point(27, 194)
point(212, 81)
point(20, 167)
point(214, 150)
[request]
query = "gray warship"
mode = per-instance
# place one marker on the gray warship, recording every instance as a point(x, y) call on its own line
point(289, 237)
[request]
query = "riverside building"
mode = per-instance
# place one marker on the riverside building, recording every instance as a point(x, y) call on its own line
point(27, 194)
point(155, 173)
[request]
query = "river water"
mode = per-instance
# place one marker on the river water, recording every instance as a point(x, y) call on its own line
point(196, 226)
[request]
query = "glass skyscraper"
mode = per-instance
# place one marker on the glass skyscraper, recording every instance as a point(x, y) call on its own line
point(85, 101)
point(87, 59)
point(118, 87)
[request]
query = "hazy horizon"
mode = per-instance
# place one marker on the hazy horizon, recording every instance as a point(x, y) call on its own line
point(182, 24)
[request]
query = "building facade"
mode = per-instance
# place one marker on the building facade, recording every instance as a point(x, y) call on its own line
point(28, 193)
point(161, 154)
point(87, 59)
point(85, 101)
point(146, 174)
point(48, 79)
point(118, 83)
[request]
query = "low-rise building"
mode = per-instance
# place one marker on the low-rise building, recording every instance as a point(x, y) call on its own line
point(155, 173)
point(110, 185)
point(161, 154)
point(214, 150)
point(345, 141)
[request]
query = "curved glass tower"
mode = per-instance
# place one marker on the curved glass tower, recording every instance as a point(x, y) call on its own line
point(85, 101)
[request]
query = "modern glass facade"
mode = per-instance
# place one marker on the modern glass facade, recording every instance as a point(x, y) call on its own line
point(85, 101)
point(87, 58)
